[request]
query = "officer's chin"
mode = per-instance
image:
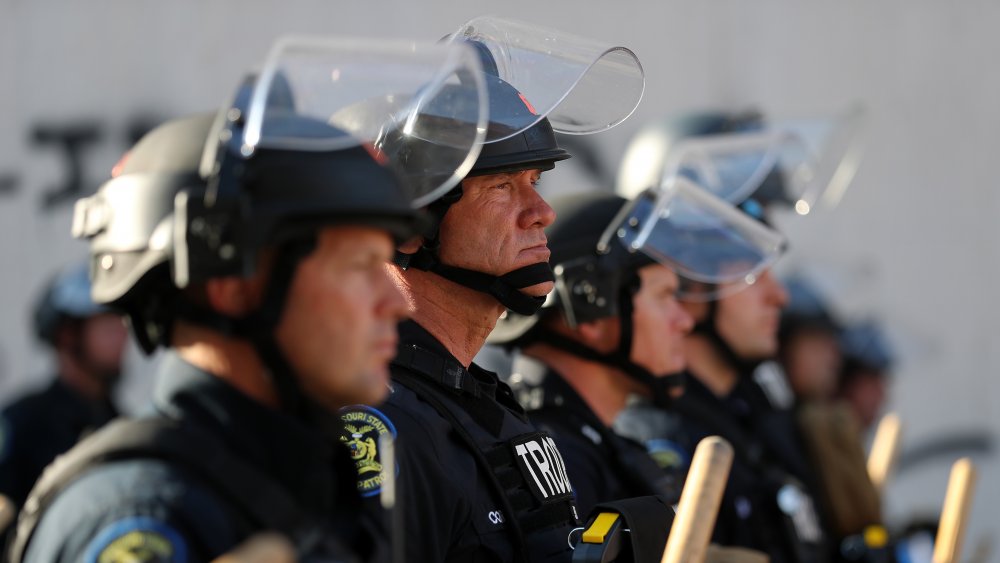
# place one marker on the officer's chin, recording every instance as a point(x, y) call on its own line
point(539, 289)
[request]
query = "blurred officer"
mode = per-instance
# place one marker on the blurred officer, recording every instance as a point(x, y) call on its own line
point(88, 341)
point(256, 257)
point(809, 343)
point(867, 366)
point(478, 481)
point(810, 352)
point(732, 389)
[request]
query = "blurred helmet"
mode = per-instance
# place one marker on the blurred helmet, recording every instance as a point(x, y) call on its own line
point(647, 157)
point(864, 345)
point(67, 296)
point(806, 309)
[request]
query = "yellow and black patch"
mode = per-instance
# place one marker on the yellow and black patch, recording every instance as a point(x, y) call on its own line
point(363, 427)
point(137, 540)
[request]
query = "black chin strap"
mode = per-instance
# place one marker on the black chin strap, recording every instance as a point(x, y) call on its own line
point(660, 387)
point(505, 288)
point(259, 327)
point(707, 328)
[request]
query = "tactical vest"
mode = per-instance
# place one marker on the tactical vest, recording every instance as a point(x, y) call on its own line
point(543, 390)
point(522, 465)
point(259, 503)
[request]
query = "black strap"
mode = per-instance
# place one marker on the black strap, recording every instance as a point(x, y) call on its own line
point(258, 327)
point(649, 518)
point(659, 386)
point(505, 288)
point(260, 502)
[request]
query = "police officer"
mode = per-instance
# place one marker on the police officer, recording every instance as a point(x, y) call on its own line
point(478, 481)
point(867, 367)
point(809, 342)
point(258, 262)
point(732, 388)
point(88, 342)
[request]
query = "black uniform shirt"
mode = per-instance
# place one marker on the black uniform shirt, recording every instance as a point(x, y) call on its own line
point(40, 426)
point(765, 458)
point(602, 464)
point(451, 512)
point(154, 510)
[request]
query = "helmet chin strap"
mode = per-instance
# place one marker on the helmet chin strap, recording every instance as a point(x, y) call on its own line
point(660, 386)
point(259, 328)
point(505, 288)
point(709, 329)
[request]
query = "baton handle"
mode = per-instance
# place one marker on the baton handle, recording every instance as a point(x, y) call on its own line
point(700, 499)
point(885, 448)
point(955, 512)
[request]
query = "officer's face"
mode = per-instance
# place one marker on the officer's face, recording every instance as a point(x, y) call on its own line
point(748, 320)
point(498, 226)
point(659, 322)
point(339, 325)
point(103, 340)
point(812, 360)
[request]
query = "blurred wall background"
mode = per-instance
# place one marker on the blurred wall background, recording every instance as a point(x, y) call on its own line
point(914, 241)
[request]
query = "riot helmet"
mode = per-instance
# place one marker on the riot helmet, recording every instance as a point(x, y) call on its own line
point(797, 163)
point(540, 81)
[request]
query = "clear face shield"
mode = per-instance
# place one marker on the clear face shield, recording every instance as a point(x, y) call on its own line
point(581, 85)
point(714, 247)
point(421, 108)
point(804, 162)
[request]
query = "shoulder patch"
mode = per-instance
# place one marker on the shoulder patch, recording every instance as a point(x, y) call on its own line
point(137, 539)
point(668, 454)
point(363, 427)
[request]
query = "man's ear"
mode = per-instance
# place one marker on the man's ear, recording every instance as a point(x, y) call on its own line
point(231, 296)
point(601, 335)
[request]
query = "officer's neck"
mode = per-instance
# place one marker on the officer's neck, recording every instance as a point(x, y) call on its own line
point(229, 359)
point(708, 366)
point(605, 389)
point(458, 317)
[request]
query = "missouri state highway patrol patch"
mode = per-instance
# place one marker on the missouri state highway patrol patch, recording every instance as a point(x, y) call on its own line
point(137, 539)
point(363, 427)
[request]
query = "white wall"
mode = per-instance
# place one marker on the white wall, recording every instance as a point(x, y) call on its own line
point(914, 241)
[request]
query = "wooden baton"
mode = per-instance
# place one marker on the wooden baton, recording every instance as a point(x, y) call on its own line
point(885, 448)
point(955, 512)
point(700, 499)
